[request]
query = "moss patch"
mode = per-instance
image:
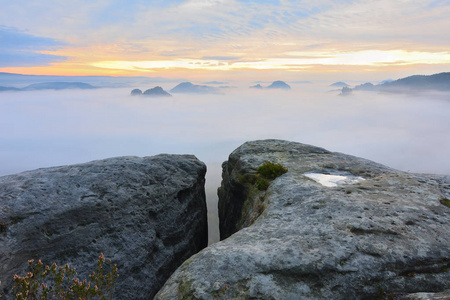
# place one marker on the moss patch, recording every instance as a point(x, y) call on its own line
point(265, 174)
point(254, 185)
point(446, 202)
point(262, 184)
point(248, 178)
point(271, 170)
point(185, 290)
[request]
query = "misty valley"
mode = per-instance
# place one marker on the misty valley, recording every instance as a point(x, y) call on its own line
point(49, 127)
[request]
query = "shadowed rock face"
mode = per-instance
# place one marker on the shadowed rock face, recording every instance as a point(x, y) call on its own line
point(376, 231)
point(146, 214)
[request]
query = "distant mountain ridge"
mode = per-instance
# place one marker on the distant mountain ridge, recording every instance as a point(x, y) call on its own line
point(190, 88)
point(8, 88)
point(339, 84)
point(414, 83)
point(13, 79)
point(157, 91)
point(440, 81)
point(278, 84)
point(58, 86)
point(51, 86)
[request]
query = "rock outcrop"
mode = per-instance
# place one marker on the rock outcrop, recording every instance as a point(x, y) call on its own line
point(136, 92)
point(190, 88)
point(157, 91)
point(365, 87)
point(146, 214)
point(279, 85)
point(346, 91)
point(333, 227)
point(339, 84)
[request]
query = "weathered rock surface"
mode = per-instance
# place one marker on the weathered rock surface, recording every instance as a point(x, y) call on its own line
point(146, 214)
point(426, 296)
point(382, 231)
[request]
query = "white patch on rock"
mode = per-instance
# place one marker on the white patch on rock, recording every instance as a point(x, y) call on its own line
point(336, 179)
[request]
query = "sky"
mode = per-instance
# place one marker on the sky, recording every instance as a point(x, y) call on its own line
point(223, 39)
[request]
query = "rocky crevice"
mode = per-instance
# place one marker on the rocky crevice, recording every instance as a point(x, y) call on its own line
point(387, 234)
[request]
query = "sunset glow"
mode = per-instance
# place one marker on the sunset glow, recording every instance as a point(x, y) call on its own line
point(164, 38)
point(363, 58)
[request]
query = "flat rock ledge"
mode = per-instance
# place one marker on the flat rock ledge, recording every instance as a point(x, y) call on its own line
point(147, 214)
point(376, 234)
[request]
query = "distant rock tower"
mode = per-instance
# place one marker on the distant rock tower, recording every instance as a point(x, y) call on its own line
point(136, 92)
point(279, 85)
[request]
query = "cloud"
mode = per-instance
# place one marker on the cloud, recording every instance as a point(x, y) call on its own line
point(28, 59)
point(226, 29)
point(220, 57)
point(406, 132)
point(21, 49)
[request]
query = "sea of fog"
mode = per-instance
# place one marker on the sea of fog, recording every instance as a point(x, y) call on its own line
point(52, 128)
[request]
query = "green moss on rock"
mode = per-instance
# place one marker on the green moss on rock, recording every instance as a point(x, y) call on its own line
point(271, 170)
point(446, 202)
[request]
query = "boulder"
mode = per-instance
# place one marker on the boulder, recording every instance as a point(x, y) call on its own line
point(333, 227)
point(146, 214)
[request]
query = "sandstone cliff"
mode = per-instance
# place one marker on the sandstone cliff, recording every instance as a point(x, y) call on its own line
point(146, 214)
point(333, 227)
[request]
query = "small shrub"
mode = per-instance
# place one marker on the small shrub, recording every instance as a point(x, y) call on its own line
point(271, 170)
point(248, 178)
point(53, 282)
point(262, 184)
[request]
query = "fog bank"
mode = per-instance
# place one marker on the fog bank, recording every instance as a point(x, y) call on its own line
point(49, 128)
